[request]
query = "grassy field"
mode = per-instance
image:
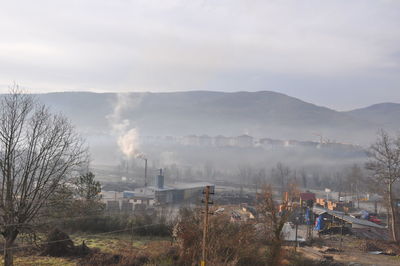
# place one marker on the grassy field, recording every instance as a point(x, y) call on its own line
point(40, 261)
point(118, 243)
point(113, 244)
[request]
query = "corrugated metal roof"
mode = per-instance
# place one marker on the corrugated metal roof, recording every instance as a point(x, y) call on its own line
point(372, 233)
point(347, 218)
point(191, 185)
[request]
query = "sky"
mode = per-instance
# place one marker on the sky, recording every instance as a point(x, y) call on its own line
point(336, 53)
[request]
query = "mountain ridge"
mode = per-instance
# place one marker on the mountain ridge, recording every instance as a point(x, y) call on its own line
point(386, 115)
point(262, 114)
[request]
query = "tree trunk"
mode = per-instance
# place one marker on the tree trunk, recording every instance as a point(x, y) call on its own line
point(8, 251)
point(275, 253)
point(393, 214)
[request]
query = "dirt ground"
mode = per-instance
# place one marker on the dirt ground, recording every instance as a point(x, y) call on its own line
point(349, 251)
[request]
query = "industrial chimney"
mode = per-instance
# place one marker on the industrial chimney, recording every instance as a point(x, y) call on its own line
point(159, 182)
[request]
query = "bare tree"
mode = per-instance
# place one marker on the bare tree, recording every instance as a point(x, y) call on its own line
point(245, 174)
point(385, 165)
point(209, 170)
point(275, 216)
point(38, 152)
point(259, 178)
point(304, 178)
point(355, 181)
point(228, 243)
point(281, 175)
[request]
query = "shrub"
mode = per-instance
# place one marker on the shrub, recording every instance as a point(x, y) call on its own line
point(59, 244)
point(228, 243)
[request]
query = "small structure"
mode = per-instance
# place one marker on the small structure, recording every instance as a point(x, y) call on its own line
point(126, 206)
point(128, 194)
point(291, 143)
point(289, 233)
point(205, 140)
point(222, 141)
point(244, 141)
point(112, 205)
point(125, 201)
point(191, 140)
point(160, 194)
point(354, 222)
point(308, 144)
point(181, 192)
point(335, 206)
point(307, 199)
point(268, 143)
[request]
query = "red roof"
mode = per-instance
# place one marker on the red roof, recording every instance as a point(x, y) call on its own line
point(307, 196)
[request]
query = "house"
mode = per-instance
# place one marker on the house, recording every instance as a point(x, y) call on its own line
point(190, 140)
point(205, 140)
point(222, 141)
point(244, 141)
point(307, 199)
point(268, 143)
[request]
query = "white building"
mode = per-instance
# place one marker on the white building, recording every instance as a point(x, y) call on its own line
point(244, 141)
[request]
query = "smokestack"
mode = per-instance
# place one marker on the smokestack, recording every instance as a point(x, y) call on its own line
point(160, 180)
point(145, 172)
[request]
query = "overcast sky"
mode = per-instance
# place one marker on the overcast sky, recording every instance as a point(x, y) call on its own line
point(337, 53)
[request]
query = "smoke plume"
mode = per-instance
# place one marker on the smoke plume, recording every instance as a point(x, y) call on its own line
point(128, 143)
point(126, 133)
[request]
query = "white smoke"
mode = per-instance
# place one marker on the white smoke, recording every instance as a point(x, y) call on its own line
point(126, 133)
point(128, 143)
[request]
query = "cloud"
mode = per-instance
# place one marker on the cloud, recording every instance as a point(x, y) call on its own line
point(160, 45)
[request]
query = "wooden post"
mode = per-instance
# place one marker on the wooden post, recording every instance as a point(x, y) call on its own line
point(297, 226)
point(205, 227)
point(341, 235)
point(131, 235)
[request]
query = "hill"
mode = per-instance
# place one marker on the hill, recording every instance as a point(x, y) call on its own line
point(260, 114)
point(385, 115)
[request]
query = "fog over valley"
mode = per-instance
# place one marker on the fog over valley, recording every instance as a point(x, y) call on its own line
point(203, 128)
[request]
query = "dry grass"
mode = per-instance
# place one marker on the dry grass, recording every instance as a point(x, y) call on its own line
point(116, 243)
point(353, 251)
point(40, 261)
point(112, 244)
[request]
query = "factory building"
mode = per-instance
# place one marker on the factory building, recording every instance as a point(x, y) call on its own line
point(172, 194)
point(180, 193)
point(159, 194)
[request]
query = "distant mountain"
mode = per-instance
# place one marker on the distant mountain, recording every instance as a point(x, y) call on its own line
point(87, 110)
point(260, 114)
point(384, 115)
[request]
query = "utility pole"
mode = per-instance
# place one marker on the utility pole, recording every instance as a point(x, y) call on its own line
point(131, 236)
point(341, 235)
point(310, 224)
point(207, 202)
point(297, 226)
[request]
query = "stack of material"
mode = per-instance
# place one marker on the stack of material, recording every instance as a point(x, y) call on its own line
point(321, 201)
point(334, 206)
